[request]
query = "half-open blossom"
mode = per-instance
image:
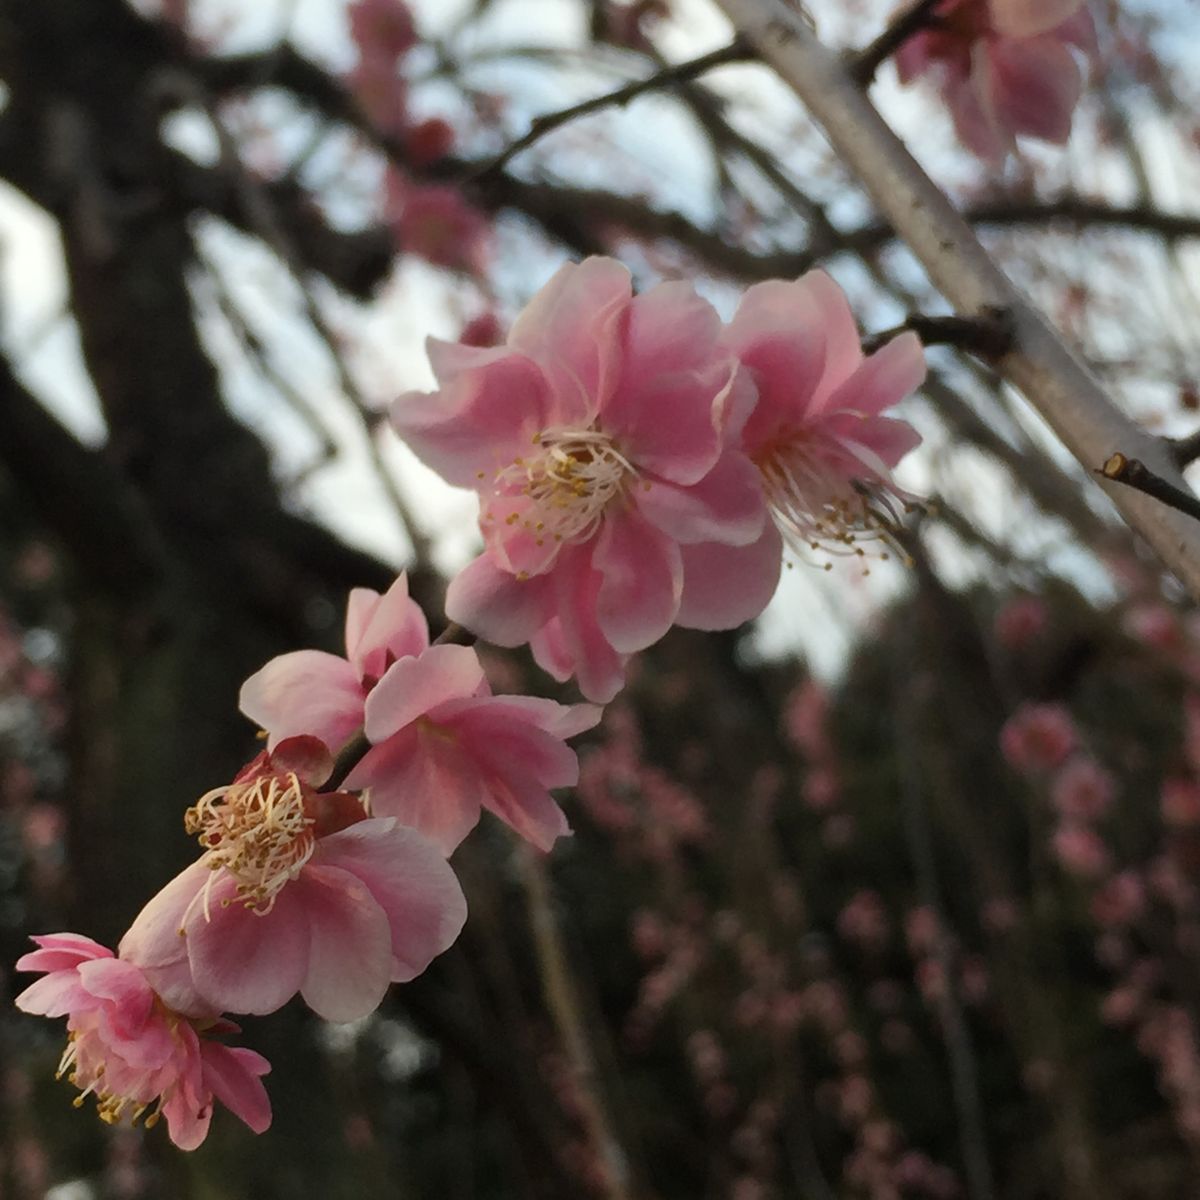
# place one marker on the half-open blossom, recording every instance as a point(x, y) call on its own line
point(595, 438)
point(297, 891)
point(1007, 68)
point(132, 1052)
point(822, 448)
point(443, 747)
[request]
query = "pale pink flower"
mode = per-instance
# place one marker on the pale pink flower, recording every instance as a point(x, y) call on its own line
point(1038, 737)
point(436, 223)
point(443, 747)
point(132, 1052)
point(594, 437)
point(1080, 850)
point(382, 30)
point(381, 94)
point(1006, 69)
point(1020, 621)
point(1082, 790)
point(297, 891)
point(822, 448)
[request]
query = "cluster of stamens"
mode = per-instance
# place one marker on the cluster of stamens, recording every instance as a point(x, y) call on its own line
point(259, 830)
point(111, 1107)
point(570, 477)
point(819, 509)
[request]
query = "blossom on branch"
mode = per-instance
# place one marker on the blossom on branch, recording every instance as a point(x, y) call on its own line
point(442, 746)
point(297, 891)
point(1006, 68)
point(133, 1052)
point(595, 438)
point(817, 436)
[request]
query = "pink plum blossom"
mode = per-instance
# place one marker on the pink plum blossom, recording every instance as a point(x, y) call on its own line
point(1038, 737)
point(1006, 68)
point(297, 891)
point(822, 448)
point(435, 222)
point(595, 439)
point(382, 30)
point(443, 747)
point(1082, 790)
point(131, 1051)
point(1021, 621)
point(1080, 850)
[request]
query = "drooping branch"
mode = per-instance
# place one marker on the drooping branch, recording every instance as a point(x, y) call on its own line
point(1040, 365)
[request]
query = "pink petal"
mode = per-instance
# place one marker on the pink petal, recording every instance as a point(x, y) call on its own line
point(54, 995)
point(480, 420)
point(969, 98)
point(725, 506)
point(187, 1125)
point(350, 956)
point(243, 962)
point(662, 412)
point(426, 781)
point(572, 329)
point(125, 988)
point(1027, 18)
point(642, 577)
point(725, 586)
point(495, 604)
point(1035, 85)
point(154, 943)
point(232, 1073)
point(560, 720)
point(890, 374)
point(884, 439)
point(529, 809)
point(551, 652)
point(382, 627)
point(412, 686)
point(410, 880)
point(61, 952)
point(305, 692)
point(578, 639)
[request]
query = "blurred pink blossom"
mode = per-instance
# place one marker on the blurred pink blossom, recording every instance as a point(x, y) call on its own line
point(1082, 790)
point(132, 1052)
point(297, 891)
point(1006, 69)
point(436, 223)
point(1080, 850)
point(1038, 737)
point(1179, 802)
point(595, 438)
point(1020, 621)
point(1120, 901)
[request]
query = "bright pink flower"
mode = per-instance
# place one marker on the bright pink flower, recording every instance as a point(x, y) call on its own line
point(131, 1051)
point(1038, 737)
point(435, 222)
point(1006, 69)
point(297, 891)
point(443, 746)
point(1082, 790)
point(594, 437)
point(823, 451)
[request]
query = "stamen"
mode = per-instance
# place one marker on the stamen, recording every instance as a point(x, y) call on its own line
point(570, 480)
point(259, 831)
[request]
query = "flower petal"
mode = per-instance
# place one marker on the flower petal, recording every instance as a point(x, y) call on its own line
point(232, 1073)
point(725, 586)
point(411, 881)
point(495, 605)
point(412, 686)
point(382, 628)
point(642, 576)
point(725, 506)
point(61, 952)
point(891, 373)
point(305, 692)
point(1027, 18)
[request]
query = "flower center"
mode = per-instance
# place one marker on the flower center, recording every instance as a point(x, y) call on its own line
point(827, 495)
point(259, 830)
point(568, 482)
point(84, 1065)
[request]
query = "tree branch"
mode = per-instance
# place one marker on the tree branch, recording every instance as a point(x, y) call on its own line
point(910, 22)
point(1040, 365)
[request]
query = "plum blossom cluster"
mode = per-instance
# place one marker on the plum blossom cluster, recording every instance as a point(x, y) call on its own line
point(639, 463)
point(1005, 68)
point(313, 880)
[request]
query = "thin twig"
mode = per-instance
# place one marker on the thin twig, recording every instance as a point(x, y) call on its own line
point(736, 51)
point(913, 20)
point(1186, 450)
point(988, 335)
point(1135, 474)
point(563, 1002)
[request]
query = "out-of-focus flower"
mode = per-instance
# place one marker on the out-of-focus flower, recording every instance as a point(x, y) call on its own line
point(435, 222)
point(1080, 850)
point(1038, 737)
point(382, 30)
point(442, 746)
point(133, 1052)
point(1006, 68)
point(817, 435)
point(1020, 621)
point(1082, 790)
point(297, 891)
point(595, 438)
